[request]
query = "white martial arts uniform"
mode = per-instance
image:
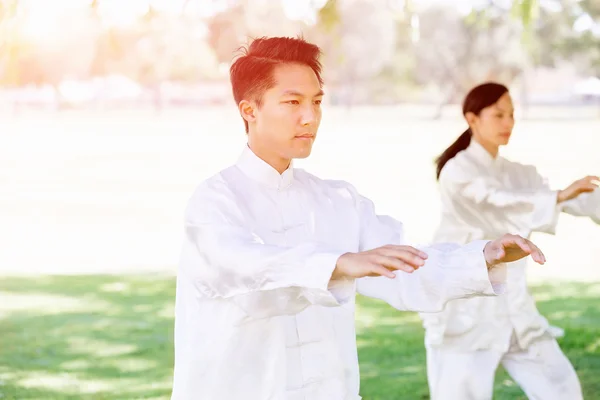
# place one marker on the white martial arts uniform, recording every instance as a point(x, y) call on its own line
point(483, 197)
point(257, 316)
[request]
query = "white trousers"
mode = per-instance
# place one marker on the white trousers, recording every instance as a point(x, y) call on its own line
point(542, 371)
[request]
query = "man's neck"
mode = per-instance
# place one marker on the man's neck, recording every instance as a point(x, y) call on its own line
point(274, 160)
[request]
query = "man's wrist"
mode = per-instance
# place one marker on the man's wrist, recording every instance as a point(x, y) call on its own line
point(485, 256)
point(338, 273)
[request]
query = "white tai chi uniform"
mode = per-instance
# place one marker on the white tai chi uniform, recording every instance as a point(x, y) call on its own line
point(484, 197)
point(257, 315)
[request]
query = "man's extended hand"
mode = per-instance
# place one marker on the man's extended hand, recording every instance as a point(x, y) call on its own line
point(379, 262)
point(510, 248)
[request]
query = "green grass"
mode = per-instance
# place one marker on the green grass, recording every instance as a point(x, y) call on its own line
point(92, 337)
point(110, 337)
point(392, 357)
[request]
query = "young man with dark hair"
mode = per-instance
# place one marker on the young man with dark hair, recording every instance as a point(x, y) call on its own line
point(273, 255)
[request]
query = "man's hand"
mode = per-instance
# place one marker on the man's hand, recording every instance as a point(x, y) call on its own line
point(587, 184)
point(379, 262)
point(510, 248)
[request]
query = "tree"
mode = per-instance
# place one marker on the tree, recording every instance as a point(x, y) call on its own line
point(351, 58)
point(483, 45)
point(226, 31)
point(563, 30)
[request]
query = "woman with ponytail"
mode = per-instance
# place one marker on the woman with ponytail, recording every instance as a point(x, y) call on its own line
point(482, 196)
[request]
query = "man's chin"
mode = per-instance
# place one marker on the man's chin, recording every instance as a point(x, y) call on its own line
point(302, 153)
point(300, 156)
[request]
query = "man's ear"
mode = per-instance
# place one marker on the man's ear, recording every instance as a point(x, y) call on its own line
point(247, 110)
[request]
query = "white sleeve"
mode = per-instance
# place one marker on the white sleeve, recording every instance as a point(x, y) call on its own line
point(450, 272)
point(532, 208)
point(227, 260)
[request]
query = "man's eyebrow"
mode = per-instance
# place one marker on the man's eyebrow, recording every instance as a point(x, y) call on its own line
point(297, 93)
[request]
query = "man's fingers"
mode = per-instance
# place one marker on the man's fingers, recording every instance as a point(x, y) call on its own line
point(379, 270)
point(413, 258)
point(410, 249)
point(536, 253)
point(524, 244)
point(394, 263)
point(538, 257)
point(409, 259)
point(528, 247)
point(398, 264)
point(509, 239)
point(390, 258)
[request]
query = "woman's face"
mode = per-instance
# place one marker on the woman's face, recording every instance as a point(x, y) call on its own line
point(494, 124)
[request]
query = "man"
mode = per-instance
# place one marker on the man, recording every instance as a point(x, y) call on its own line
point(273, 255)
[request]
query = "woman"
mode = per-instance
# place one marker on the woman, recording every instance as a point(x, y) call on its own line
point(482, 196)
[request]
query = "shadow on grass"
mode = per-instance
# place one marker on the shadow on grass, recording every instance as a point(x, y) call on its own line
point(96, 337)
point(111, 337)
point(392, 355)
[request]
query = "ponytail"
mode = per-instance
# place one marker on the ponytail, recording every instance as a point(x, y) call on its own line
point(477, 99)
point(459, 145)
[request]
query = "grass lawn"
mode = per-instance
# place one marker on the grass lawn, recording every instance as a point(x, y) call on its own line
point(110, 337)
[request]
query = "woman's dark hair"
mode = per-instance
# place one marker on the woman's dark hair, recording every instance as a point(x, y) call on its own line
point(477, 99)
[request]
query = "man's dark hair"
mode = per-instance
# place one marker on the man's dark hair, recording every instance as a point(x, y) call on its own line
point(252, 73)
